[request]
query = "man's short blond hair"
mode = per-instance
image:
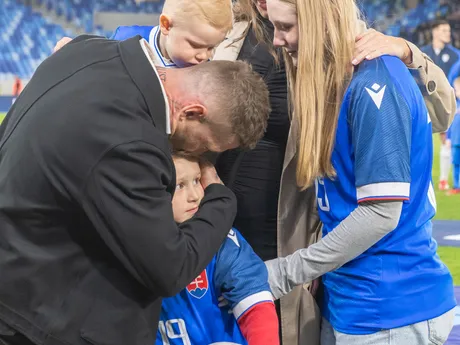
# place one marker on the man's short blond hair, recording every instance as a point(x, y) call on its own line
point(238, 95)
point(217, 13)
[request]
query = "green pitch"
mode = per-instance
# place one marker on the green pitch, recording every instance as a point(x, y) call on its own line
point(448, 205)
point(451, 257)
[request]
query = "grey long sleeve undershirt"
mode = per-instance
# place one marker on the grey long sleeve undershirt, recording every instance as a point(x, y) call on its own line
point(364, 227)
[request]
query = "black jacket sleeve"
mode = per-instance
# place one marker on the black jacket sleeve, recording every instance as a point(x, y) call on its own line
point(127, 201)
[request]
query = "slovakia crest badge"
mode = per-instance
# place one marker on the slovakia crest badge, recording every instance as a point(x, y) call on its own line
point(199, 286)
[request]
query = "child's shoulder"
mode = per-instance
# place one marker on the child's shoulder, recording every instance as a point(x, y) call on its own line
point(234, 240)
point(384, 69)
point(236, 252)
point(125, 32)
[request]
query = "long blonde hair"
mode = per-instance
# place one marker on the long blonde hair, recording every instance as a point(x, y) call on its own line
point(327, 31)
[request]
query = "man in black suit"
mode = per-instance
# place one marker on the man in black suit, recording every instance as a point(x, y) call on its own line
point(88, 243)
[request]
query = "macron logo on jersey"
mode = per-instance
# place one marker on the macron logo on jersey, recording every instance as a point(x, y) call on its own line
point(377, 94)
point(232, 235)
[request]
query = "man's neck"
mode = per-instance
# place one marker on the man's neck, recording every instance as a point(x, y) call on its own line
point(168, 77)
point(438, 45)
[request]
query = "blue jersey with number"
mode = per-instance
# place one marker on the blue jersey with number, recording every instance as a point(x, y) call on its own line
point(193, 317)
point(383, 151)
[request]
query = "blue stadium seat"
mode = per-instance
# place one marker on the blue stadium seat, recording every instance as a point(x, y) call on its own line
point(26, 39)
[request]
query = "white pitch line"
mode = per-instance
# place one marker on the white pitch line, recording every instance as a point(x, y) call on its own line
point(452, 237)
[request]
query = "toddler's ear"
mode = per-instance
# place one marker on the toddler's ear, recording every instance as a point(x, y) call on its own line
point(165, 24)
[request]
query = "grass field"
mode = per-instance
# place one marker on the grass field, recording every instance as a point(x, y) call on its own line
point(448, 205)
point(448, 209)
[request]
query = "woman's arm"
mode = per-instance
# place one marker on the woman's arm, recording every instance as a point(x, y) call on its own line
point(438, 93)
point(364, 227)
point(433, 83)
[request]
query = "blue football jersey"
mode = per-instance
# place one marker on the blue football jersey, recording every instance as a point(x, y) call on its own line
point(150, 34)
point(383, 151)
point(193, 317)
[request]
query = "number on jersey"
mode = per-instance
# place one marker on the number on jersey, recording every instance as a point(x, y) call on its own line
point(321, 195)
point(173, 329)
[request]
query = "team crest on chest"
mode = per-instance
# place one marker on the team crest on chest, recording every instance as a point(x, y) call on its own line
point(445, 58)
point(199, 286)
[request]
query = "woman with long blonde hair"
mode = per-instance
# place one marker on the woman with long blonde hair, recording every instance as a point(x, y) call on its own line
point(364, 139)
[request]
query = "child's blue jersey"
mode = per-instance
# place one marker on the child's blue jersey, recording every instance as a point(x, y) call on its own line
point(383, 151)
point(193, 317)
point(150, 34)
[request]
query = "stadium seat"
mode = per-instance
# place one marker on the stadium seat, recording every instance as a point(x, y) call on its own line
point(26, 39)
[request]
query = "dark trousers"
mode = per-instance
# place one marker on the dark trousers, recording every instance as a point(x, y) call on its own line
point(278, 312)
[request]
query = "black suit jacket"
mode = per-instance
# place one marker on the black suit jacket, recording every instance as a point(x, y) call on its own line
point(88, 243)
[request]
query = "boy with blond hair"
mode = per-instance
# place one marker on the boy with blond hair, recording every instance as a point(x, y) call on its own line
point(187, 33)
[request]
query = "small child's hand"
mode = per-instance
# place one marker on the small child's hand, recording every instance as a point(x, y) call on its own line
point(208, 174)
point(61, 43)
point(223, 303)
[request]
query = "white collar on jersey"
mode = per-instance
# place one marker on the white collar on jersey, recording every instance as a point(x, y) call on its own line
point(160, 60)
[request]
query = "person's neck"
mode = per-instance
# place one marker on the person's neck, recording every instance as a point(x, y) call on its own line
point(437, 44)
point(170, 79)
point(162, 43)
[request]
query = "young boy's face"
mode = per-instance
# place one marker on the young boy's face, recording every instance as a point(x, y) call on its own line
point(192, 42)
point(189, 191)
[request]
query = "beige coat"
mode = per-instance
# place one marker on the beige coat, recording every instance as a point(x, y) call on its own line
point(298, 223)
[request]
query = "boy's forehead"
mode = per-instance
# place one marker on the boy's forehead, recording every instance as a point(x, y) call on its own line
point(186, 167)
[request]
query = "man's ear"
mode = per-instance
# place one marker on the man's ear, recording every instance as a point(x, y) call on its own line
point(165, 24)
point(194, 112)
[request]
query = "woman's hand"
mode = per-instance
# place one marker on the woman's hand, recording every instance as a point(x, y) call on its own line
point(61, 43)
point(373, 44)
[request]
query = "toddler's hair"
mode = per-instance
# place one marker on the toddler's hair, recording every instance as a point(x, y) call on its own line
point(217, 13)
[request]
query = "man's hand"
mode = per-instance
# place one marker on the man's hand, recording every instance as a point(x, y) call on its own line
point(208, 173)
point(373, 44)
point(61, 43)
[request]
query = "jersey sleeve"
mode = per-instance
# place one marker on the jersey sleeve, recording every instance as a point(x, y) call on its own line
point(121, 33)
point(449, 133)
point(241, 276)
point(380, 122)
point(454, 72)
point(124, 32)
